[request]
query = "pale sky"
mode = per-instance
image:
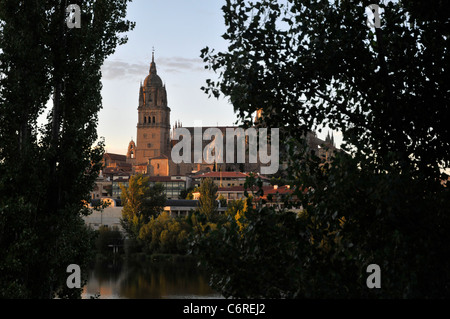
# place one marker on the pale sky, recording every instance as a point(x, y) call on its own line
point(178, 30)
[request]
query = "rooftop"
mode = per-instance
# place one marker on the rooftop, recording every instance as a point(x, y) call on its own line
point(222, 175)
point(182, 202)
point(115, 157)
point(163, 179)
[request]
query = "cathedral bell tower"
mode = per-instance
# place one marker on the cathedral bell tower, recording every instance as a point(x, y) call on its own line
point(153, 128)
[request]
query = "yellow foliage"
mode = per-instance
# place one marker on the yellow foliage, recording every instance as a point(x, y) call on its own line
point(238, 208)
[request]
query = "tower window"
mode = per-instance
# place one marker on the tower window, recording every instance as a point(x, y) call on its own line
point(145, 120)
point(154, 119)
point(149, 145)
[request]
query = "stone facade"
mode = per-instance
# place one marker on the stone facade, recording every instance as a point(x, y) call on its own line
point(153, 128)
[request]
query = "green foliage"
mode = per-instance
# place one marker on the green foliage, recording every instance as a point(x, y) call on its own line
point(260, 260)
point(145, 222)
point(382, 200)
point(165, 234)
point(187, 193)
point(47, 172)
point(140, 203)
point(206, 216)
point(208, 198)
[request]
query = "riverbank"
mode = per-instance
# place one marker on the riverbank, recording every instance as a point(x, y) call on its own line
point(159, 257)
point(143, 276)
point(145, 258)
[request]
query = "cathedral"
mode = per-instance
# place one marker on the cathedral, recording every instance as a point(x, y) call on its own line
point(150, 154)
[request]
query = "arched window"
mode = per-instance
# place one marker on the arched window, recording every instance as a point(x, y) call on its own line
point(154, 120)
point(145, 119)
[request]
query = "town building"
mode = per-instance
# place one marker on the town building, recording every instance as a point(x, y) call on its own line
point(182, 207)
point(173, 185)
point(225, 179)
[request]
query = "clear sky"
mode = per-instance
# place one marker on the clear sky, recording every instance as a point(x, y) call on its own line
point(178, 30)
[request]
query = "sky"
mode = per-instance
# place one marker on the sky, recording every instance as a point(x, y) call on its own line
point(177, 30)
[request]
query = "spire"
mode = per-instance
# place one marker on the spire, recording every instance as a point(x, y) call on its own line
point(153, 64)
point(141, 95)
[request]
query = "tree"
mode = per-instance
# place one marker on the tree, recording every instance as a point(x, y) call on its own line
point(208, 198)
point(140, 203)
point(48, 171)
point(165, 234)
point(382, 200)
point(206, 216)
point(156, 201)
point(238, 209)
point(187, 193)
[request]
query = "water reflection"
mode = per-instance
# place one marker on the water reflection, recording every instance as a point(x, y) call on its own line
point(145, 280)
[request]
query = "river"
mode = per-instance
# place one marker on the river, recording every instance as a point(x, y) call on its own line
point(148, 280)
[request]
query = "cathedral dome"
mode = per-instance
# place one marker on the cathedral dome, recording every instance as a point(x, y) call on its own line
point(153, 79)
